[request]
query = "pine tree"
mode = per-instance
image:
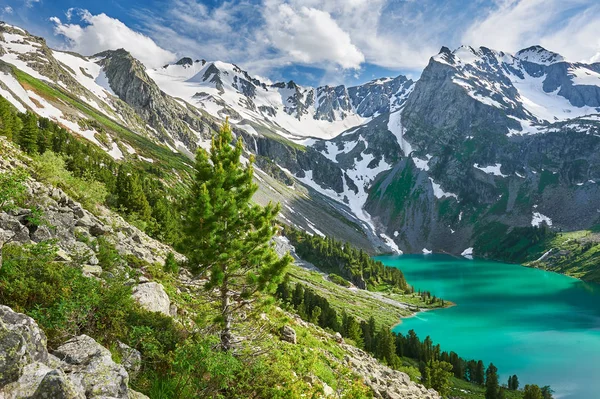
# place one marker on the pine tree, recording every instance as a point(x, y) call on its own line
point(492, 387)
point(226, 236)
point(480, 373)
point(513, 382)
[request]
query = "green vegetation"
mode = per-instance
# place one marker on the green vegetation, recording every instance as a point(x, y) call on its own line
point(332, 256)
point(90, 176)
point(227, 237)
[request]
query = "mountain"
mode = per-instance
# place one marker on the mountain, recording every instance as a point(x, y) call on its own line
point(483, 143)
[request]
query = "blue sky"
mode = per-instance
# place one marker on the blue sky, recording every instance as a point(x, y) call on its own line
point(311, 41)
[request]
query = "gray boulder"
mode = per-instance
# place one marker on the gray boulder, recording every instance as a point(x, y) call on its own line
point(34, 339)
point(131, 358)
point(152, 296)
point(288, 334)
point(56, 385)
point(90, 367)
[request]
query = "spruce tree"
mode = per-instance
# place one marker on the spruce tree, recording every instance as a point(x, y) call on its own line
point(480, 373)
point(227, 237)
point(28, 136)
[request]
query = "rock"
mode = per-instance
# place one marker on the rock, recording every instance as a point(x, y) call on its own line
point(131, 358)
point(90, 366)
point(13, 355)
point(89, 270)
point(42, 233)
point(62, 256)
point(136, 395)
point(143, 279)
point(93, 260)
point(84, 221)
point(288, 334)
point(338, 338)
point(327, 390)
point(56, 385)
point(152, 296)
point(33, 337)
point(99, 230)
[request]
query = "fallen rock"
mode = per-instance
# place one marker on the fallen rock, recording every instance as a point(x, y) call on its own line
point(89, 270)
point(288, 334)
point(152, 296)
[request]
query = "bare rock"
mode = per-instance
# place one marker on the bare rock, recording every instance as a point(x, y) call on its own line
point(152, 296)
point(288, 334)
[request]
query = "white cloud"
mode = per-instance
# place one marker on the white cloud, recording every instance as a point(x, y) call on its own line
point(7, 10)
point(100, 32)
point(569, 27)
point(31, 3)
point(310, 36)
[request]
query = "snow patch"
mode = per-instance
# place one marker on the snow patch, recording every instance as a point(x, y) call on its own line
point(538, 219)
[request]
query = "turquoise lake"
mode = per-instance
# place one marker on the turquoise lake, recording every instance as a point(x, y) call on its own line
point(542, 326)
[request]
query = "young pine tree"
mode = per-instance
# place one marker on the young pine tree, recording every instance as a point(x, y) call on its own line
point(227, 236)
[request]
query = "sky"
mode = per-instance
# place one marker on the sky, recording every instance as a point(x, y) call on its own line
point(313, 42)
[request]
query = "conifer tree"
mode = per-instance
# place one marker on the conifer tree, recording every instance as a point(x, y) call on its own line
point(492, 387)
point(226, 236)
point(480, 373)
point(28, 136)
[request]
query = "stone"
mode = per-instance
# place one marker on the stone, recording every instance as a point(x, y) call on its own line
point(62, 256)
point(13, 355)
point(42, 233)
point(56, 385)
point(131, 358)
point(152, 296)
point(338, 338)
point(89, 270)
point(89, 365)
point(143, 279)
point(78, 211)
point(85, 221)
point(33, 337)
point(288, 334)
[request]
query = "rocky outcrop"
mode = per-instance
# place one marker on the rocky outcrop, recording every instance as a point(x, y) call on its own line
point(79, 369)
point(385, 382)
point(152, 296)
point(169, 119)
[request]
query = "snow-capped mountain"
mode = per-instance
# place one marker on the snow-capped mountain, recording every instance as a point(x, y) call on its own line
point(483, 142)
point(290, 110)
point(535, 86)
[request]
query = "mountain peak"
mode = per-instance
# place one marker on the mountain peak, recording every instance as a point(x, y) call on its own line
point(539, 55)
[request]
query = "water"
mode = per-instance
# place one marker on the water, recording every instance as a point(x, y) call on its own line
point(542, 326)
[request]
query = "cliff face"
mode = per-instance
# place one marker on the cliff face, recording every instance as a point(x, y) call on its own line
point(170, 120)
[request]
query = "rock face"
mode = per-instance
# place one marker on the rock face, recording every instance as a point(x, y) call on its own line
point(152, 296)
point(169, 119)
point(79, 369)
